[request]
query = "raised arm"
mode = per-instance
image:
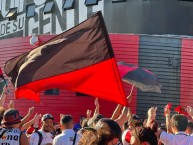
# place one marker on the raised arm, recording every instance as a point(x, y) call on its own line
point(123, 117)
point(167, 115)
point(24, 139)
point(151, 116)
point(97, 106)
point(117, 112)
point(3, 96)
point(29, 123)
point(27, 117)
point(190, 111)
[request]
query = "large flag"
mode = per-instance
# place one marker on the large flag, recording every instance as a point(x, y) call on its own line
point(80, 59)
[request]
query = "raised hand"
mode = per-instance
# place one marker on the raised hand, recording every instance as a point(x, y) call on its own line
point(31, 110)
point(96, 102)
point(190, 111)
point(11, 104)
point(88, 113)
point(152, 112)
point(167, 110)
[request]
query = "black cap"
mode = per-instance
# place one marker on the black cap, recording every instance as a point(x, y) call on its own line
point(47, 116)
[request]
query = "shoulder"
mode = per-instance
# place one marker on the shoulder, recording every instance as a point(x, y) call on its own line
point(58, 138)
point(166, 138)
point(35, 135)
point(165, 134)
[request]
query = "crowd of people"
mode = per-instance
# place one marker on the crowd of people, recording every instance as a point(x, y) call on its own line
point(123, 128)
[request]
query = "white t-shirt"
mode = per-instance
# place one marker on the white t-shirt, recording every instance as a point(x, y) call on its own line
point(47, 138)
point(10, 136)
point(124, 137)
point(66, 138)
point(181, 138)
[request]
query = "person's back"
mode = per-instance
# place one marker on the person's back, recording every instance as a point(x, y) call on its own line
point(68, 136)
point(10, 136)
point(176, 139)
point(179, 125)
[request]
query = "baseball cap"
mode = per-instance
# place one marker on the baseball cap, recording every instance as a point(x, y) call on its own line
point(10, 117)
point(47, 116)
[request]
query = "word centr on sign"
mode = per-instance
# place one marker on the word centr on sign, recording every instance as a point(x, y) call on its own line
point(53, 23)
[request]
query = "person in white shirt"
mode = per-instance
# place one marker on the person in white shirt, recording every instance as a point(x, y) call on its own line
point(10, 134)
point(178, 125)
point(43, 136)
point(68, 136)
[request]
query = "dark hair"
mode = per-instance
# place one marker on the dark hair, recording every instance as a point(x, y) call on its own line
point(180, 122)
point(107, 130)
point(66, 119)
point(125, 125)
point(82, 118)
point(163, 127)
point(146, 135)
point(84, 123)
point(97, 117)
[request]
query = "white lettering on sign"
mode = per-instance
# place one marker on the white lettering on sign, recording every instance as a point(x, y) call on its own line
point(53, 23)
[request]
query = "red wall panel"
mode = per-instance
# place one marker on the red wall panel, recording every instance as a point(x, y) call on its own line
point(125, 48)
point(186, 82)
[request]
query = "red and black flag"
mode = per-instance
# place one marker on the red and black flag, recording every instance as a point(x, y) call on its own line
point(2, 79)
point(80, 59)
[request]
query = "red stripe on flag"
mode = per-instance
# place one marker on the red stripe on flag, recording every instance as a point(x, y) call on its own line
point(101, 80)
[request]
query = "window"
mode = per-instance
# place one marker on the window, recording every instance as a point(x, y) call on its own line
point(52, 92)
point(30, 10)
point(68, 4)
point(116, 1)
point(81, 94)
point(1, 15)
point(91, 2)
point(12, 14)
point(48, 7)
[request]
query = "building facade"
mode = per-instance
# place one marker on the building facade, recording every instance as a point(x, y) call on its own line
point(168, 56)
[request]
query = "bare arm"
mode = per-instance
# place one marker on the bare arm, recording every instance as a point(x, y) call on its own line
point(129, 98)
point(27, 117)
point(29, 123)
point(167, 114)
point(117, 112)
point(123, 117)
point(24, 139)
point(3, 96)
point(88, 113)
point(97, 106)
point(151, 116)
point(190, 111)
